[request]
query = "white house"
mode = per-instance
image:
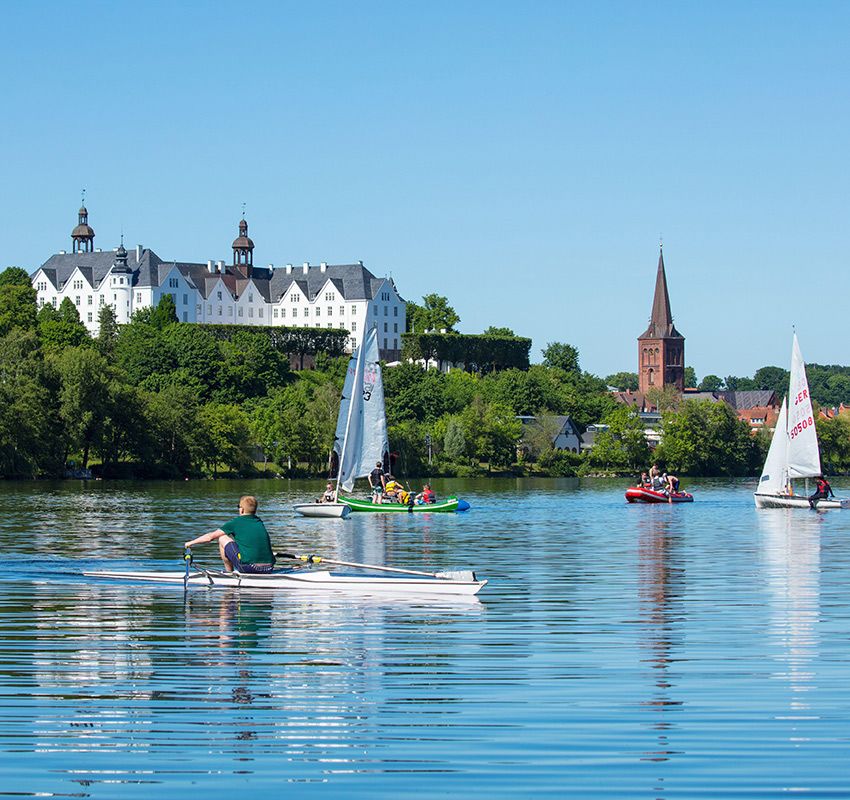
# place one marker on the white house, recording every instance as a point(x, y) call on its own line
point(346, 296)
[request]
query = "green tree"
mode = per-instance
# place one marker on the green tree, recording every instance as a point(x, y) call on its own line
point(15, 276)
point(30, 434)
point(735, 384)
point(561, 356)
point(177, 437)
point(107, 334)
point(165, 312)
point(227, 435)
point(454, 442)
point(663, 398)
point(251, 367)
point(142, 351)
point(706, 438)
point(622, 446)
point(195, 351)
point(493, 331)
point(17, 303)
point(60, 329)
point(711, 383)
point(834, 439)
point(623, 381)
point(83, 397)
point(690, 377)
point(774, 379)
point(434, 315)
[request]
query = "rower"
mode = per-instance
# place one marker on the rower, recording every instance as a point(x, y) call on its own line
point(243, 543)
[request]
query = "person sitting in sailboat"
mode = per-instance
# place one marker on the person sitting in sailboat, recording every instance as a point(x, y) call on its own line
point(822, 492)
point(329, 495)
point(391, 489)
point(425, 496)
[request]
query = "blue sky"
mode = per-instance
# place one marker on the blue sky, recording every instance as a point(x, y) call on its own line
point(521, 159)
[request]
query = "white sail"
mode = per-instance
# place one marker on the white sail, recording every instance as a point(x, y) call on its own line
point(374, 444)
point(365, 437)
point(353, 434)
point(774, 476)
point(342, 417)
point(803, 454)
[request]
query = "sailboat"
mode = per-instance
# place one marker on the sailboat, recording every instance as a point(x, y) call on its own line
point(794, 449)
point(361, 429)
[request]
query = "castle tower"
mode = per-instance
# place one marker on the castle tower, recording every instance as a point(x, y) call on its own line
point(243, 249)
point(121, 283)
point(82, 237)
point(661, 348)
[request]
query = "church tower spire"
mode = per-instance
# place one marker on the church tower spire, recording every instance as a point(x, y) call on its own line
point(661, 348)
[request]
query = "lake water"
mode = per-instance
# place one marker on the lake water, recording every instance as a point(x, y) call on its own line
point(686, 651)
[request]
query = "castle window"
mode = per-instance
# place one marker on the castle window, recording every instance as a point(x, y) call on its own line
point(90, 299)
point(260, 313)
point(330, 311)
point(77, 300)
point(185, 299)
point(342, 311)
point(88, 316)
point(354, 327)
point(241, 310)
point(250, 312)
point(353, 309)
point(318, 311)
point(250, 297)
point(294, 313)
point(219, 295)
point(274, 313)
point(395, 311)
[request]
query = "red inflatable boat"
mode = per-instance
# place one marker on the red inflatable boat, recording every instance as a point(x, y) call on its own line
point(640, 494)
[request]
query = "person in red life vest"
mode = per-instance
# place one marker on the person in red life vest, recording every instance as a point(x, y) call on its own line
point(426, 495)
point(823, 491)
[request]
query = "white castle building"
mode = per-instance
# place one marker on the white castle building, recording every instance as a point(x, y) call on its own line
point(322, 295)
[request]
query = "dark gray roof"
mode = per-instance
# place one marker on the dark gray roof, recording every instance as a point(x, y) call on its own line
point(354, 281)
point(738, 400)
point(94, 266)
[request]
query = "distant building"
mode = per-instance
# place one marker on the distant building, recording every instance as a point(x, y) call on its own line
point(346, 296)
point(661, 348)
point(560, 431)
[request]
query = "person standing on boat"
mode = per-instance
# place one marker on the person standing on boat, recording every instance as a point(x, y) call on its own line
point(822, 492)
point(243, 543)
point(378, 481)
point(656, 479)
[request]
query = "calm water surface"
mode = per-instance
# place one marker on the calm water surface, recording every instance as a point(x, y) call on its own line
point(618, 651)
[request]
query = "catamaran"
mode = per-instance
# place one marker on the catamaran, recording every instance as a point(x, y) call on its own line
point(414, 583)
point(794, 449)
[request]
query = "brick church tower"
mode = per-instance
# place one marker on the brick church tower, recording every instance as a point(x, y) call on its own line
point(661, 348)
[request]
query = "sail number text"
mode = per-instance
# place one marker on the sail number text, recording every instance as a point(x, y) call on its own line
point(801, 426)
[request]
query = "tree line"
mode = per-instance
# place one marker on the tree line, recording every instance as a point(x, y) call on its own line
point(160, 398)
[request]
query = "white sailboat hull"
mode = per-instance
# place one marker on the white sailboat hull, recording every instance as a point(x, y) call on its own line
point(311, 580)
point(326, 510)
point(797, 501)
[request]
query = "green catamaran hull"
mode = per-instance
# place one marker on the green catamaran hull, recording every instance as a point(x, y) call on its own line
point(385, 508)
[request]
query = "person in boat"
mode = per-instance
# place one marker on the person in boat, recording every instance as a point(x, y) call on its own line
point(657, 481)
point(243, 543)
point(329, 495)
point(391, 489)
point(672, 484)
point(644, 483)
point(823, 491)
point(425, 496)
point(377, 482)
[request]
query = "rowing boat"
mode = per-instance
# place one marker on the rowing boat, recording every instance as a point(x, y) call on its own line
point(465, 583)
point(448, 505)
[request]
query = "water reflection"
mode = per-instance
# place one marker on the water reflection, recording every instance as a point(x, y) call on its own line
point(661, 582)
point(791, 552)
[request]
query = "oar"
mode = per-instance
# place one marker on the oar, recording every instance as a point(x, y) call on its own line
point(454, 575)
point(187, 557)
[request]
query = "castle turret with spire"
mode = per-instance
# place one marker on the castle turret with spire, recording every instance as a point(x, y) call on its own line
point(661, 348)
